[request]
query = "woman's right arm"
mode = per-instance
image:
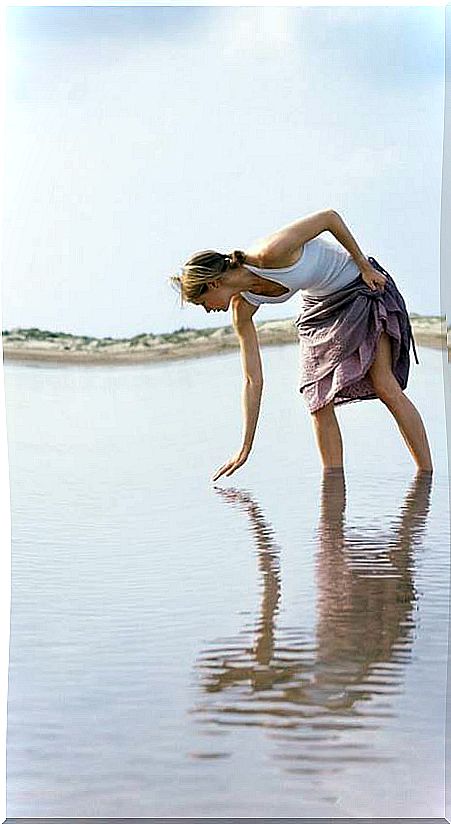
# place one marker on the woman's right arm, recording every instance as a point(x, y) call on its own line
point(253, 381)
point(252, 374)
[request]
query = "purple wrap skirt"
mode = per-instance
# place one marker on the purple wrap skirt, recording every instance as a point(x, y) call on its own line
point(338, 335)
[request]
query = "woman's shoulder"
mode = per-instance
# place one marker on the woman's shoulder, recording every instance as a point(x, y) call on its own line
point(255, 255)
point(267, 256)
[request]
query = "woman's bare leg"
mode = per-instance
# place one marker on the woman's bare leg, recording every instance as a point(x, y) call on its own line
point(328, 436)
point(405, 413)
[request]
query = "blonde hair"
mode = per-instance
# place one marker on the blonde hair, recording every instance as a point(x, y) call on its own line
point(200, 269)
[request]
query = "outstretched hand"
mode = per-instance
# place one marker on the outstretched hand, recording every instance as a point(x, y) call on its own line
point(230, 466)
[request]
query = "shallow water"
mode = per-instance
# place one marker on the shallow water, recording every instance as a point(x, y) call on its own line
point(272, 645)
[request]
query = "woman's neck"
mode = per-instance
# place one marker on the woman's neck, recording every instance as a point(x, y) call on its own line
point(244, 280)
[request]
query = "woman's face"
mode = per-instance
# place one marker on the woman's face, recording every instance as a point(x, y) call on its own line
point(216, 297)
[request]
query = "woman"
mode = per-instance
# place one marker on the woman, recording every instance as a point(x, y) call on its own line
point(354, 329)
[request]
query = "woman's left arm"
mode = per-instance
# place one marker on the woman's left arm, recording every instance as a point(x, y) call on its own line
point(289, 239)
point(372, 277)
point(338, 228)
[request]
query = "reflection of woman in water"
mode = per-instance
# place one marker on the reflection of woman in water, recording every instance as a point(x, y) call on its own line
point(280, 678)
point(354, 330)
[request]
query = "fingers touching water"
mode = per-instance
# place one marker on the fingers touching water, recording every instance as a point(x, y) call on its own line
point(233, 464)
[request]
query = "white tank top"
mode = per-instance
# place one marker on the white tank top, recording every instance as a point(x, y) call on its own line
point(324, 267)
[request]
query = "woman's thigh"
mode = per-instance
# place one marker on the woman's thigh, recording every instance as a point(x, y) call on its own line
point(380, 371)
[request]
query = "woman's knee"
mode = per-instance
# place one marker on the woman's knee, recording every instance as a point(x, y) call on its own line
point(387, 388)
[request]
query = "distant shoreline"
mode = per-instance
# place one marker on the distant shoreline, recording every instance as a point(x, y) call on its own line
point(47, 347)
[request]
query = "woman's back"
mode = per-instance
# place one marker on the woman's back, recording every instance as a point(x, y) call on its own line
point(323, 267)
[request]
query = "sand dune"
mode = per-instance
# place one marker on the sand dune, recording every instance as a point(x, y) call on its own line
point(41, 345)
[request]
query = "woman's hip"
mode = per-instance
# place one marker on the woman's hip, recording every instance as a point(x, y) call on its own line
point(340, 320)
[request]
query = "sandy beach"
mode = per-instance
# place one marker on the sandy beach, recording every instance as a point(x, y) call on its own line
point(42, 345)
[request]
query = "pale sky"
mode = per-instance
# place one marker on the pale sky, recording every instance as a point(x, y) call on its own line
point(139, 135)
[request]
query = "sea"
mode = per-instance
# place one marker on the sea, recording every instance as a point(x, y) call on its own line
point(272, 644)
